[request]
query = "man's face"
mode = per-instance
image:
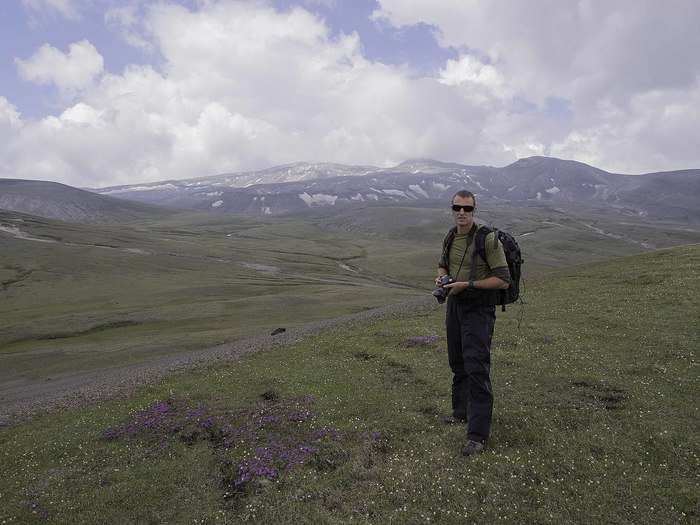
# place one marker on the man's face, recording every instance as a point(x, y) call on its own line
point(463, 219)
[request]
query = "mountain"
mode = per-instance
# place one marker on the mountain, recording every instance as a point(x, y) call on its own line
point(58, 201)
point(173, 191)
point(302, 186)
point(428, 166)
point(675, 194)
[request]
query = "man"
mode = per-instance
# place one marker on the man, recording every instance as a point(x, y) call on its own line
point(470, 319)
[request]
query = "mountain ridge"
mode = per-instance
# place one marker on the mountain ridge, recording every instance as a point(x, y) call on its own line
point(54, 200)
point(541, 179)
point(301, 186)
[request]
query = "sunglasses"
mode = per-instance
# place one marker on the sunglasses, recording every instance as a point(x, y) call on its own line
point(467, 209)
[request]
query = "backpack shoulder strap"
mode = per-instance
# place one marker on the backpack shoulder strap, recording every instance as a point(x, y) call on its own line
point(446, 243)
point(450, 234)
point(480, 241)
point(479, 248)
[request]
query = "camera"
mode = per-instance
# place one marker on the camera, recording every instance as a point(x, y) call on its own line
point(440, 293)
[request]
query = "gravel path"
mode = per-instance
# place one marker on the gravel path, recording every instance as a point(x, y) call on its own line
point(21, 401)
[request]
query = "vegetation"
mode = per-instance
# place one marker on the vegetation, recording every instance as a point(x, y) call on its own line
point(595, 422)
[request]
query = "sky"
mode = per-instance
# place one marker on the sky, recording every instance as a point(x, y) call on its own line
point(96, 93)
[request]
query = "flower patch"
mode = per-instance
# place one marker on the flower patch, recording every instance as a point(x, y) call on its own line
point(256, 445)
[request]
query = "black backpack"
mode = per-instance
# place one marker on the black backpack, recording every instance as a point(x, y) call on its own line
point(513, 258)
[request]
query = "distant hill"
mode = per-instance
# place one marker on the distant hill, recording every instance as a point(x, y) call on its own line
point(58, 201)
point(302, 186)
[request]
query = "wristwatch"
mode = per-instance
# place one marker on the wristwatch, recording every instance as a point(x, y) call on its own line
point(471, 285)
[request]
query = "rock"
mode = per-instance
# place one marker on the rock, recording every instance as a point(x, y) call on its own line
point(278, 331)
point(270, 395)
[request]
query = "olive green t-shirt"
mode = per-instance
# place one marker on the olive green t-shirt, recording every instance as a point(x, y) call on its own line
point(495, 257)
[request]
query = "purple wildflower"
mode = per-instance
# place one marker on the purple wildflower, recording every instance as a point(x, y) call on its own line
point(196, 413)
point(300, 416)
point(266, 420)
point(207, 423)
point(251, 469)
point(321, 433)
point(111, 433)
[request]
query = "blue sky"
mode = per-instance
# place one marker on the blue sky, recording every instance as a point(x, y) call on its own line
point(101, 92)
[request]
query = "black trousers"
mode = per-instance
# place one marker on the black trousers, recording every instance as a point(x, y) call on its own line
point(469, 333)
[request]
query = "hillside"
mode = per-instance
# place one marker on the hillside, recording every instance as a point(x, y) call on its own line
point(58, 201)
point(595, 420)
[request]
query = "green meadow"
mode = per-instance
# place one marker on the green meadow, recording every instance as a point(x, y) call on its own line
point(595, 378)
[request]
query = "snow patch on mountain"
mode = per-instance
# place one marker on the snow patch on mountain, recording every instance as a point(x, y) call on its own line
point(318, 199)
point(553, 190)
point(216, 204)
point(417, 189)
point(141, 188)
point(601, 191)
point(475, 182)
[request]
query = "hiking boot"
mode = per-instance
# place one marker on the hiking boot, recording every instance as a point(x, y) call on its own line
point(472, 448)
point(452, 420)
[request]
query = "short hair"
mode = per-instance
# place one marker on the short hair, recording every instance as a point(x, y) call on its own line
point(464, 194)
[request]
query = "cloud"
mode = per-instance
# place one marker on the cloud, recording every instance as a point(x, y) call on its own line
point(241, 85)
point(621, 67)
point(66, 8)
point(660, 128)
point(476, 78)
point(69, 72)
point(126, 20)
point(10, 127)
point(576, 49)
point(328, 4)
point(9, 116)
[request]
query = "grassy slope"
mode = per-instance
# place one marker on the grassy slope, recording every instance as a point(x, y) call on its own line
point(595, 421)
